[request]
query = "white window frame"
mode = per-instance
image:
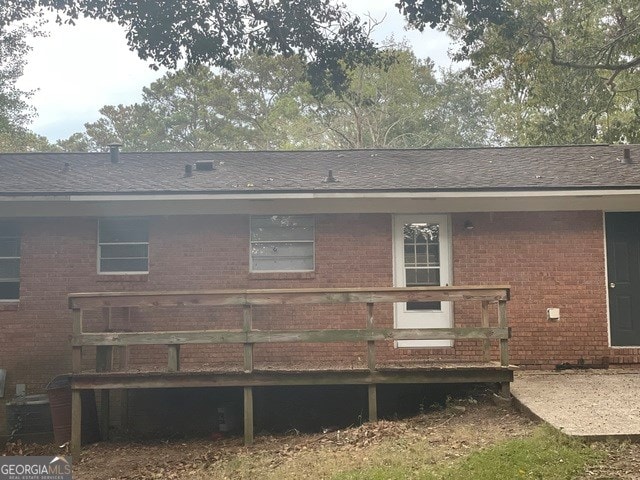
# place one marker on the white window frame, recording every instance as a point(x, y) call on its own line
point(252, 242)
point(100, 244)
point(12, 280)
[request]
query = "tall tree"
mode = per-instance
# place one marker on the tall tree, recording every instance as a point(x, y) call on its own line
point(197, 109)
point(15, 112)
point(322, 33)
point(404, 105)
point(264, 104)
point(568, 68)
point(267, 96)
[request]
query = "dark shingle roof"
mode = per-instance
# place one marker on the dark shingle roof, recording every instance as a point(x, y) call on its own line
point(570, 167)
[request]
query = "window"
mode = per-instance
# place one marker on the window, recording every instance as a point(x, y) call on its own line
point(9, 261)
point(422, 259)
point(123, 246)
point(282, 243)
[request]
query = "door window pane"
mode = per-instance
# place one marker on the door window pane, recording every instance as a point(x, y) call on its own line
point(422, 260)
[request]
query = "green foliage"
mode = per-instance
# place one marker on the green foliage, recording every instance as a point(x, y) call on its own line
point(22, 140)
point(403, 106)
point(546, 455)
point(266, 104)
point(254, 107)
point(321, 33)
point(477, 15)
point(15, 112)
point(568, 70)
point(327, 38)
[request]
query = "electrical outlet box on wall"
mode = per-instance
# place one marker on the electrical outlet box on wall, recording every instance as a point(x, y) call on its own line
point(553, 314)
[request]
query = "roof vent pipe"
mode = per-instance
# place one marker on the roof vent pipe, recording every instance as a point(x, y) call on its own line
point(627, 156)
point(330, 178)
point(114, 150)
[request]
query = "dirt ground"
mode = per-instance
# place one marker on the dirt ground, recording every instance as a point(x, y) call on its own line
point(466, 425)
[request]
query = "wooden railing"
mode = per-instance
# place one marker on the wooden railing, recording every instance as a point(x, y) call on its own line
point(248, 336)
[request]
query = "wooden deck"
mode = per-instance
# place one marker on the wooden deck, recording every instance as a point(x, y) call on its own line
point(444, 373)
point(248, 376)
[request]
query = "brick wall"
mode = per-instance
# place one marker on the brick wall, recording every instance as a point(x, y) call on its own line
point(553, 259)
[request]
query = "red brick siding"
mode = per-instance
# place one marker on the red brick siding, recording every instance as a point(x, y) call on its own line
point(553, 259)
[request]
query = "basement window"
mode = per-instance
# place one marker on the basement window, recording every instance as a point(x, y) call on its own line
point(9, 262)
point(282, 243)
point(123, 246)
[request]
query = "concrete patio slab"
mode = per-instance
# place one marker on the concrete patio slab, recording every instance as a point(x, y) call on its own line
point(592, 404)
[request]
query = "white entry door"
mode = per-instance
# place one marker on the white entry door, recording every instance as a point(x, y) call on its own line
point(422, 257)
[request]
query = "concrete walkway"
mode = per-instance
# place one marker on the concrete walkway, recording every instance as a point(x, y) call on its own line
point(593, 404)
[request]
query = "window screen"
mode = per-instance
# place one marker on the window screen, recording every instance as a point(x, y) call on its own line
point(9, 261)
point(123, 246)
point(282, 243)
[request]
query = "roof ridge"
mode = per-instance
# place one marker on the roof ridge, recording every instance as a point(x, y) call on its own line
point(332, 150)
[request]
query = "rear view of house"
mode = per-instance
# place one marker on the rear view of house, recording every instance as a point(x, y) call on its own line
point(556, 228)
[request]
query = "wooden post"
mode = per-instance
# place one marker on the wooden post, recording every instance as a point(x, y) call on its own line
point(104, 358)
point(76, 354)
point(248, 416)
point(105, 410)
point(123, 354)
point(485, 323)
point(104, 363)
point(247, 325)
point(373, 403)
point(174, 358)
point(504, 342)
point(76, 423)
point(371, 345)
point(504, 346)
point(104, 354)
point(124, 410)
point(106, 316)
point(371, 360)
point(124, 366)
point(125, 350)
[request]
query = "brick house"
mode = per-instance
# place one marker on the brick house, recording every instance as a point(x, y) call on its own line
point(557, 224)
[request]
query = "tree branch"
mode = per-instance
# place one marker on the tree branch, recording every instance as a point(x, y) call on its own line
point(614, 67)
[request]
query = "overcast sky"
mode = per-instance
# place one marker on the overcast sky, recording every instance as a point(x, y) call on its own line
point(77, 70)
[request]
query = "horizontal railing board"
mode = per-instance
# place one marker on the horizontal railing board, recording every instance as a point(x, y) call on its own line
point(287, 296)
point(481, 374)
point(286, 336)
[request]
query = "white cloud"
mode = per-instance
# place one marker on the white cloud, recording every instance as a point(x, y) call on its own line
point(78, 69)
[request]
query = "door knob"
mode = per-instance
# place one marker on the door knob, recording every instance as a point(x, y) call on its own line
point(612, 285)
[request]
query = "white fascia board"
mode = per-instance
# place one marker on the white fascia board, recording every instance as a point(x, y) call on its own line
point(318, 202)
point(367, 195)
point(321, 195)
